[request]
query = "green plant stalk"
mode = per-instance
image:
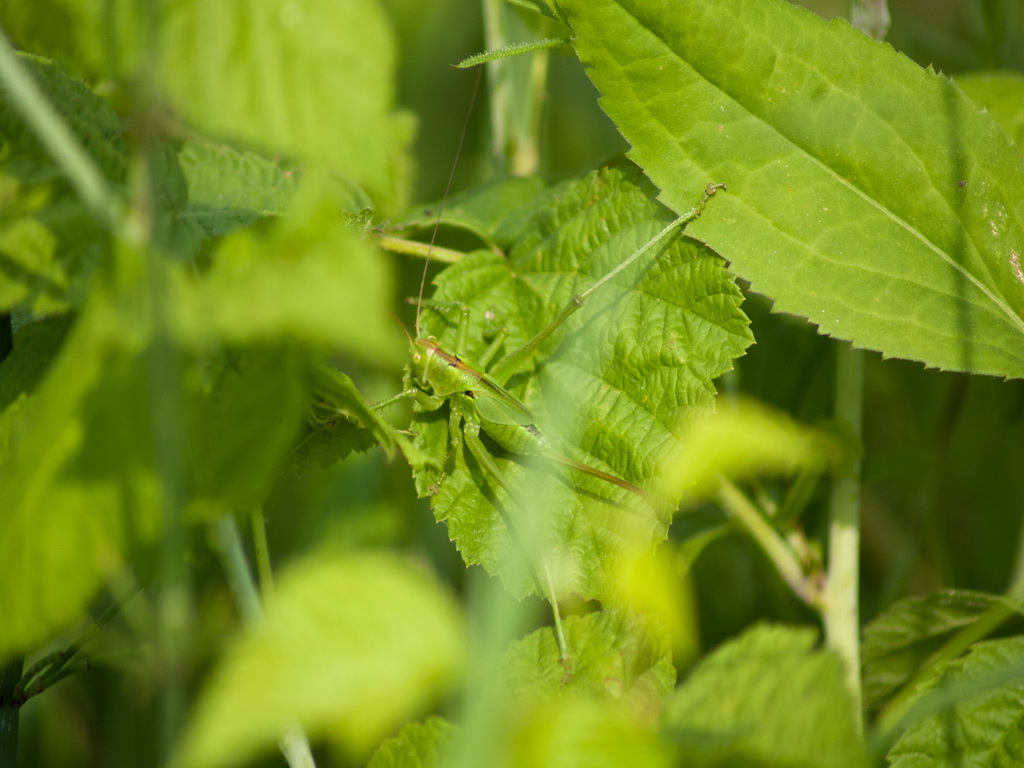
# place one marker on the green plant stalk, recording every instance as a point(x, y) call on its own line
point(293, 742)
point(840, 611)
point(499, 78)
point(516, 100)
point(742, 510)
point(422, 250)
point(26, 97)
point(261, 551)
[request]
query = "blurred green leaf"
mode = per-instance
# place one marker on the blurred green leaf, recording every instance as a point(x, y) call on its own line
point(897, 643)
point(977, 728)
point(244, 426)
point(49, 241)
point(417, 745)
point(583, 733)
point(229, 189)
point(865, 194)
point(313, 81)
point(335, 656)
point(612, 388)
point(742, 440)
point(308, 278)
point(767, 698)
point(78, 479)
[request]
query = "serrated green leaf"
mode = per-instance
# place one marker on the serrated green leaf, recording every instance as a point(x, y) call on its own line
point(766, 698)
point(1001, 94)
point(612, 388)
point(417, 745)
point(979, 729)
point(612, 657)
point(335, 656)
point(229, 189)
point(899, 641)
point(865, 193)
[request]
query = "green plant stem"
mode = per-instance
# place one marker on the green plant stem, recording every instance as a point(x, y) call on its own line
point(517, 94)
point(742, 510)
point(48, 670)
point(840, 612)
point(293, 741)
point(261, 551)
point(10, 711)
point(422, 250)
point(26, 97)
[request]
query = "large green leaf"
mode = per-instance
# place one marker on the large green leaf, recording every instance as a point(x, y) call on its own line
point(78, 475)
point(612, 388)
point(865, 193)
point(336, 655)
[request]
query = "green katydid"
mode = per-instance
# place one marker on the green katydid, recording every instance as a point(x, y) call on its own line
point(476, 392)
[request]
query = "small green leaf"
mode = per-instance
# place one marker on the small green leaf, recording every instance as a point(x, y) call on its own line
point(335, 656)
point(513, 49)
point(417, 745)
point(978, 728)
point(492, 212)
point(899, 641)
point(865, 193)
point(743, 440)
point(767, 698)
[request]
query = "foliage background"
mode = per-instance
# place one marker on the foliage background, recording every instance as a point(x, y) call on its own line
point(943, 451)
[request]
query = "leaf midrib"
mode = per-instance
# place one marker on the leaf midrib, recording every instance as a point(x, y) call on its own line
point(998, 301)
